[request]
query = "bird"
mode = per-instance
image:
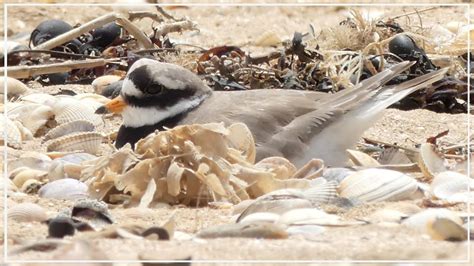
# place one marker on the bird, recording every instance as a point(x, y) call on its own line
point(298, 125)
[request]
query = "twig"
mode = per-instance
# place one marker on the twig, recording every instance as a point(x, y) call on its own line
point(143, 41)
point(29, 71)
point(175, 27)
point(53, 53)
point(134, 15)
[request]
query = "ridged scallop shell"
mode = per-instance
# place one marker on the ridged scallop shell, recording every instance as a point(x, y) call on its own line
point(429, 161)
point(69, 109)
point(13, 133)
point(32, 116)
point(101, 82)
point(69, 128)
point(83, 141)
point(453, 187)
point(67, 188)
point(371, 185)
point(27, 212)
point(14, 87)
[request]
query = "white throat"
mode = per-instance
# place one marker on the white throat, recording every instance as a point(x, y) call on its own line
point(134, 116)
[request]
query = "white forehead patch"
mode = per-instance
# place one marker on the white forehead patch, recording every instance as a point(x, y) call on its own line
point(128, 88)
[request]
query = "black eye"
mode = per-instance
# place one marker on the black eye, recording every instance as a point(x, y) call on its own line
point(154, 88)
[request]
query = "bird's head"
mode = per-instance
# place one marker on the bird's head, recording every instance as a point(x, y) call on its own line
point(153, 91)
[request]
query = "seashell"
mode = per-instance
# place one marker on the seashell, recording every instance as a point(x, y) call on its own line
point(31, 115)
point(31, 186)
point(430, 162)
point(361, 159)
point(372, 185)
point(93, 212)
point(39, 98)
point(253, 230)
point(453, 187)
point(20, 177)
point(281, 167)
point(83, 141)
point(92, 97)
point(447, 229)
point(242, 139)
point(322, 193)
point(10, 186)
point(27, 212)
point(77, 158)
point(337, 174)
point(14, 87)
point(33, 160)
point(260, 217)
point(422, 220)
point(13, 134)
point(25, 132)
point(69, 109)
point(69, 128)
point(100, 83)
point(67, 188)
point(308, 216)
point(305, 230)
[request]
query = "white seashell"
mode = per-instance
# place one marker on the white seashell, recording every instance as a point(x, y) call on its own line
point(33, 116)
point(99, 99)
point(359, 158)
point(453, 187)
point(27, 212)
point(337, 174)
point(25, 174)
point(308, 216)
point(69, 109)
point(372, 185)
point(429, 161)
point(422, 220)
point(25, 132)
point(305, 230)
point(67, 188)
point(260, 217)
point(10, 186)
point(12, 132)
point(14, 87)
point(100, 83)
point(386, 216)
point(88, 142)
point(447, 229)
point(33, 160)
point(69, 128)
point(39, 98)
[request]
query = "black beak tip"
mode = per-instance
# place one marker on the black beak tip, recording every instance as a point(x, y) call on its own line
point(101, 110)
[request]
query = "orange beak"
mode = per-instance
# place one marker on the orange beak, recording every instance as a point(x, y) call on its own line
point(115, 106)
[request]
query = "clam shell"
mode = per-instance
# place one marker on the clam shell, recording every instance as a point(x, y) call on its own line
point(69, 109)
point(14, 87)
point(308, 216)
point(429, 161)
point(27, 174)
point(362, 159)
point(12, 132)
point(422, 221)
point(371, 185)
point(27, 212)
point(69, 128)
point(33, 160)
point(260, 217)
point(100, 83)
point(67, 188)
point(88, 142)
point(447, 229)
point(453, 187)
point(39, 98)
point(34, 116)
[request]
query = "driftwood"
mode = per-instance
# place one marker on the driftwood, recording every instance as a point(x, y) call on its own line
point(21, 72)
